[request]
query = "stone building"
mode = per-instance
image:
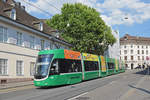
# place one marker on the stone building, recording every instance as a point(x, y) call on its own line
point(21, 38)
point(135, 51)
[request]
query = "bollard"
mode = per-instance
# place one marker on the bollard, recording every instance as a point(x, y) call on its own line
point(148, 70)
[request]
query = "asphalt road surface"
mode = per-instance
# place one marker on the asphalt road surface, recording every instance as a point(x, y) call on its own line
point(115, 87)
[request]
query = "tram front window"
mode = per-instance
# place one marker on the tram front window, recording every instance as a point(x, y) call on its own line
point(42, 66)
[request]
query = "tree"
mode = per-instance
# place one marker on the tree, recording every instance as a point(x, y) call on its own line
point(83, 27)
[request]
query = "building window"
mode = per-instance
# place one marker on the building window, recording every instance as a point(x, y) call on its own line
point(138, 57)
point(32, 64)
point(142, 47)
point(32, 44)
point(131, 51)
point(125, 57)
point(142, 57)
point(131, 46)
point(125, 46)
point(131, 57)
point(42, 44)
point(138, 46)
point(147, 52)
point(3, 34)
point(13, 14)
point(19, 38)
point(138, 52)
point(146, 46)
point(3, 66)
point(19, 68)
point(51, 45)
point(142, 51)
point(57, 45)
point(125, 51)
point(120, 51)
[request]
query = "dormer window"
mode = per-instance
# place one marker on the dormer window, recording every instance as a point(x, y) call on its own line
point(13, 14)
point(38, 25)
point(10, 12)
point(41, 26)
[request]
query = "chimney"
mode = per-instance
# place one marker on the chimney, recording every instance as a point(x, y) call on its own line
point(18, 4)
point(23, 7)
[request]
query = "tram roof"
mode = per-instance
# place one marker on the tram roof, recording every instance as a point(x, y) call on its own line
point(69, 54)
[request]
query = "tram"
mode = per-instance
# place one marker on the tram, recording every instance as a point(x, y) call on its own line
point(62, 67)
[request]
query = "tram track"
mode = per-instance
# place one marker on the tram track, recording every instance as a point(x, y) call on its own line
point(76, 90)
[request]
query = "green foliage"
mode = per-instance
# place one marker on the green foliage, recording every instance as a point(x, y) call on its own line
point(83, 27)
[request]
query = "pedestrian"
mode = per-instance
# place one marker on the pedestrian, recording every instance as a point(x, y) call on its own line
point(143, 66)
point(139, 66)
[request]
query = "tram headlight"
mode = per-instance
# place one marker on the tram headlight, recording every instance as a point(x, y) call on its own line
point(51, 77)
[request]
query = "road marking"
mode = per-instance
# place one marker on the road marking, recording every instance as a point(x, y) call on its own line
point(78, 96)
point(132, 90)
point(16, 89)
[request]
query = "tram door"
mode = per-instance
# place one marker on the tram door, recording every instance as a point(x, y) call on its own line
point(132, 66)
point(126, 65)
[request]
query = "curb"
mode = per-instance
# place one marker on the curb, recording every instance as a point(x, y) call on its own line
point(9, 87)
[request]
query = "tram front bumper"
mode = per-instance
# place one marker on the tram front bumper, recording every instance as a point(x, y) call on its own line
point(50, 81)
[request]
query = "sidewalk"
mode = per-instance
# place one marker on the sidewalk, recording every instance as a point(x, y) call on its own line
point(13, 85)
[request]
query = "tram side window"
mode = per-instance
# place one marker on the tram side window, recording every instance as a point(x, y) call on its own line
point(54, 67)
point(111, 65)
point(69, 66)
point(91, 65)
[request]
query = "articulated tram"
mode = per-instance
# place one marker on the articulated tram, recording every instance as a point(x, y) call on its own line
point(61, 67)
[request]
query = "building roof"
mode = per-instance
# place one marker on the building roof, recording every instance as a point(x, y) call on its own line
point(134, 39)
point(22, 17)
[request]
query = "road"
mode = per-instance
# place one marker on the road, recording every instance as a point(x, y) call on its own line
point(115, 87)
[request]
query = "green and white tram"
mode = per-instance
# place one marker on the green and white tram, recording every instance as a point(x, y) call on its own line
point(61, 67)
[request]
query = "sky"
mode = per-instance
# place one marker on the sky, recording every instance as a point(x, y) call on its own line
point(127, 16)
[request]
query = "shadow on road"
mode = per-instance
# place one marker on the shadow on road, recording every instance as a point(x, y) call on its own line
point(71, 85)
point(143, 72)
point(51, 87)
point(144, 90)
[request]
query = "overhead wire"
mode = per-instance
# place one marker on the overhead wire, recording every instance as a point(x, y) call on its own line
point(52, 5)
point(37, 7)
